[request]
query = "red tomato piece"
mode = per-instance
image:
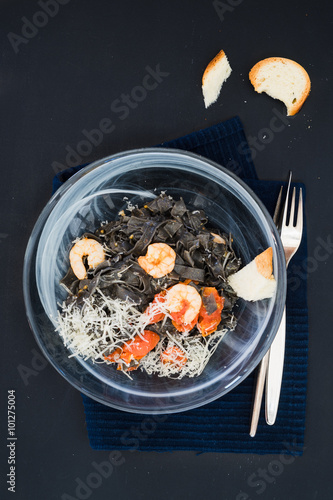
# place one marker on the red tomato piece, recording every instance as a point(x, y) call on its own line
point(136, 348)
point(174, 355)
point(156, 316)
point(208, 323)
point(128, 369)
point(114, 356)
point(141, 344)
point(181, 327)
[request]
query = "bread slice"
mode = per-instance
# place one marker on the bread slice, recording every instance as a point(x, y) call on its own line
point(264, 263)
point(255, 281)
point(216, 73)
point(282, 79)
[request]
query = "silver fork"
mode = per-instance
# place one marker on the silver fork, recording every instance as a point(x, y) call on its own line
point(291, 236)
point(262, 369)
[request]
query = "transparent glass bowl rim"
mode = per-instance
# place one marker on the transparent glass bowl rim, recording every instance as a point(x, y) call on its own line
point(88, 168)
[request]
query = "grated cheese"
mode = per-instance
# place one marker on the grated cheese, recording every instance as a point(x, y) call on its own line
point(104, 324)
point(198, 351)
point(98, 328)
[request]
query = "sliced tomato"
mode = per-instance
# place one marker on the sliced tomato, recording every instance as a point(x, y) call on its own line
point(127, 369)
point(114, 356)
point(174, 355)
point(156, 316)
point(127, 356)
point(208, 323)
point(136, 348)
point(186, 282)
point(181, 327)
point(139, 346)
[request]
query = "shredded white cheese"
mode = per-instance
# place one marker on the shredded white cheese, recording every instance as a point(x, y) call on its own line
point(197, 350)
point(104, 324)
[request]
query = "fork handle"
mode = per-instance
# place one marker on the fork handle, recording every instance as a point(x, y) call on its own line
point(275, 372)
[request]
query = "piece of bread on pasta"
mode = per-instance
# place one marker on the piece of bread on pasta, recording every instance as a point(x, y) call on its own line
point(255, 281)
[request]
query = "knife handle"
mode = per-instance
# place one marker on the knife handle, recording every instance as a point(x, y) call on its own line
point(275, 372)
point(260, 383)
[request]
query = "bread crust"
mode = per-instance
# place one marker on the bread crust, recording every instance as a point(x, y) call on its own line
point(254, 75)
point(212, 64)
point(264, 263)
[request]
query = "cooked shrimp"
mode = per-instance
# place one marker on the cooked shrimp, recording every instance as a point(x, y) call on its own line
point(183, 303)
point(159, 260)
point(87, 247)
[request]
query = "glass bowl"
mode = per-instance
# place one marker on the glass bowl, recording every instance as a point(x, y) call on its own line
point(97, 193)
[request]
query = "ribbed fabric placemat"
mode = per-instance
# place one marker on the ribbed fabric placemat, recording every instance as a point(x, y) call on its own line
point(223, 425)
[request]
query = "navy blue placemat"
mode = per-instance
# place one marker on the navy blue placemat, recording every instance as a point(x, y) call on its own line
point(223, 425)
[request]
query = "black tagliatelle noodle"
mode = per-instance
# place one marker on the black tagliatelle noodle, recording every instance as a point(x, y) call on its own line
point(204, 258)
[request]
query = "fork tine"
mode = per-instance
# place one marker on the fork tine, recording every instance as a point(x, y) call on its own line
point(277, 215)
point(292, 208)
point(285, 209)
point(299, 220)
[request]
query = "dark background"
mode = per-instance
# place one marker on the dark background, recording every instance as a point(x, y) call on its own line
point(63, 81)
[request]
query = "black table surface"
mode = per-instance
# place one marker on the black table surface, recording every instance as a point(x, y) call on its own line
point(64, 65)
